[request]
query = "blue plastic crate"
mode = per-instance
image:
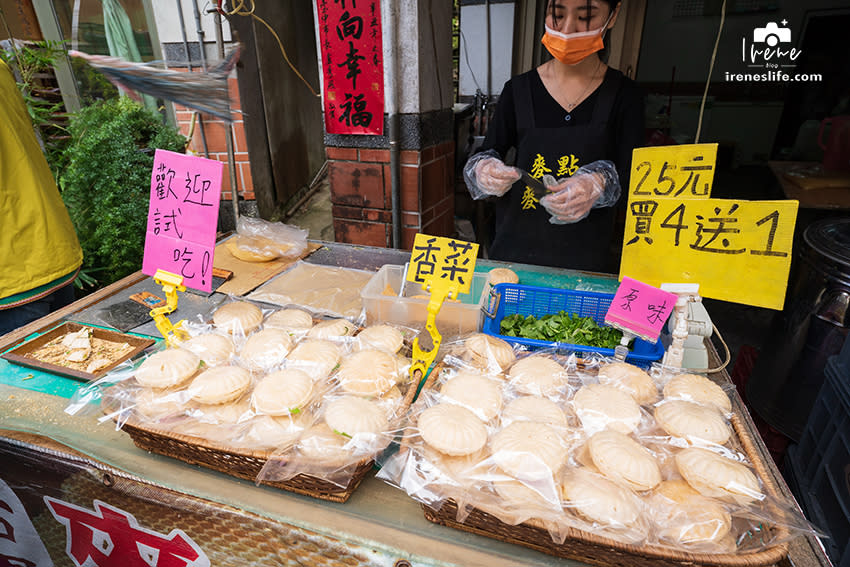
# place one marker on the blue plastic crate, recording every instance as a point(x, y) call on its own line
point(540, 301)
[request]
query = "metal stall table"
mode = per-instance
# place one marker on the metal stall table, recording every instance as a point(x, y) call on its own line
point(66, 480)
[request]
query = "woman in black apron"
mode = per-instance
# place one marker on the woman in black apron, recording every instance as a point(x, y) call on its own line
point(573, 122)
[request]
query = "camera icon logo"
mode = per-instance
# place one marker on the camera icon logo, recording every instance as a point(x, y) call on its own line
point(772, 34)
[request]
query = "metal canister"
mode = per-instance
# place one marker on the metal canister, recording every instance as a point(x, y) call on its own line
point(790, 369)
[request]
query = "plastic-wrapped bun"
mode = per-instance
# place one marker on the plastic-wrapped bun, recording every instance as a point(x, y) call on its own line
point(332, 328)
point(716, 476)
point(600, 407)
point(390, 401)
point(154, 404)
point(322, 444)
point(458, 470)
point(279, 432)
point(489, 353)
point(600, 500)
point(251, 248)
point(624, 460)
point(220, 384)
point(502, 275)
point(536, 409)
point(537, 375)
point(212, 348)
point(699, 389)
point(685, 517)
point(316, 357)
point(167, 368)
point(368, 373)
point(225, 414)
point(290, 320)
point(381, 337)
point(479, 394)
point(630, 379)
point(522, 496)
point(692, 421)
point(528, 450)
point(352, 416)
point(238, 317)
point(266, 349)
point(283, 392)
point(452, 430)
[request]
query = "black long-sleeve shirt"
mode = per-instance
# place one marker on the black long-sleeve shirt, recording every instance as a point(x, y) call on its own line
point(627, 126)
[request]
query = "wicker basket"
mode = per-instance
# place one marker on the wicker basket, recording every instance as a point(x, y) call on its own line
point(243, 463)
point(597, 550)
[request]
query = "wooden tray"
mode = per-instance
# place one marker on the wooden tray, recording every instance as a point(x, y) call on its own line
point(243, 463)
point(599, 550)
point(19, 354)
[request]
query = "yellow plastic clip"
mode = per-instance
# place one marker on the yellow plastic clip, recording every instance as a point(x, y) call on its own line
point(171, 284)
point(440, 290)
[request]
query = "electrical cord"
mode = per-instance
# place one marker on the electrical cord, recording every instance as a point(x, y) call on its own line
point(466, 56)
point(241, 10)
point(710, 70)
point(436, 58)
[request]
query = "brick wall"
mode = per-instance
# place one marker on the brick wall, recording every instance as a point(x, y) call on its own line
point(361, 193)
point(215, 129)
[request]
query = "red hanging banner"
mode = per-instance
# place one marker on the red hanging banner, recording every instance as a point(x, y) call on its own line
point(352, 65)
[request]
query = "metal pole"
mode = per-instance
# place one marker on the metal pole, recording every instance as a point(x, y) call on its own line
point(200, 31)
point(201, 128)
point(228, 135)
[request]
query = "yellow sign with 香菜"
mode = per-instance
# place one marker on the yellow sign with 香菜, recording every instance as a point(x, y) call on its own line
point(446, 260)
point(735, 250)
point(685, 171)
point(444, 267)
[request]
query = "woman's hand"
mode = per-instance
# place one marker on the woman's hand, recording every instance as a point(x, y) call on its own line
point(494, 177)
point(572, 198)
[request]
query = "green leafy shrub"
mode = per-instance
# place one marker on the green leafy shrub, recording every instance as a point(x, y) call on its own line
point(106, 182)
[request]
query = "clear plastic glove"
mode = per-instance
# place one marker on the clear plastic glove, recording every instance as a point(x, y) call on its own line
point(595, 185)
point(486, 175)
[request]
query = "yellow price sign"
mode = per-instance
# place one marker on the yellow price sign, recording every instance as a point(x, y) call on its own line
point(685, 171)
point(438, 259)
point(735, 250)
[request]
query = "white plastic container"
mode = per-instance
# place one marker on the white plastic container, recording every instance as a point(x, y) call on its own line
point(382, 303)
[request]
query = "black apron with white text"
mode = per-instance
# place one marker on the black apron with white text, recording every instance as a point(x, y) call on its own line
point(523, 232)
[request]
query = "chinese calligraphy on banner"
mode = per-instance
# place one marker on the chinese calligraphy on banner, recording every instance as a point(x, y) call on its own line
point(736, 250)
point(182, 218)
point(352, 65)
point(436, 258)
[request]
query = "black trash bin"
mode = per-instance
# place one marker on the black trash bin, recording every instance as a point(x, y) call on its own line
point(789, 371)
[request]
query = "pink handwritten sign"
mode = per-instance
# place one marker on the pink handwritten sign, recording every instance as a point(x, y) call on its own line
point(640, 309)
point(183, 217)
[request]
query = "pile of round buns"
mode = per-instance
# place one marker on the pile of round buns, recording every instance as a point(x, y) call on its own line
point(277, 381)
point(607, 449)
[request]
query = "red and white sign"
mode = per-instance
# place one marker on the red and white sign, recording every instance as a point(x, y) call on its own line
point(183, 217)
point(110, 537)
point(20, 544)
point(352, 66)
